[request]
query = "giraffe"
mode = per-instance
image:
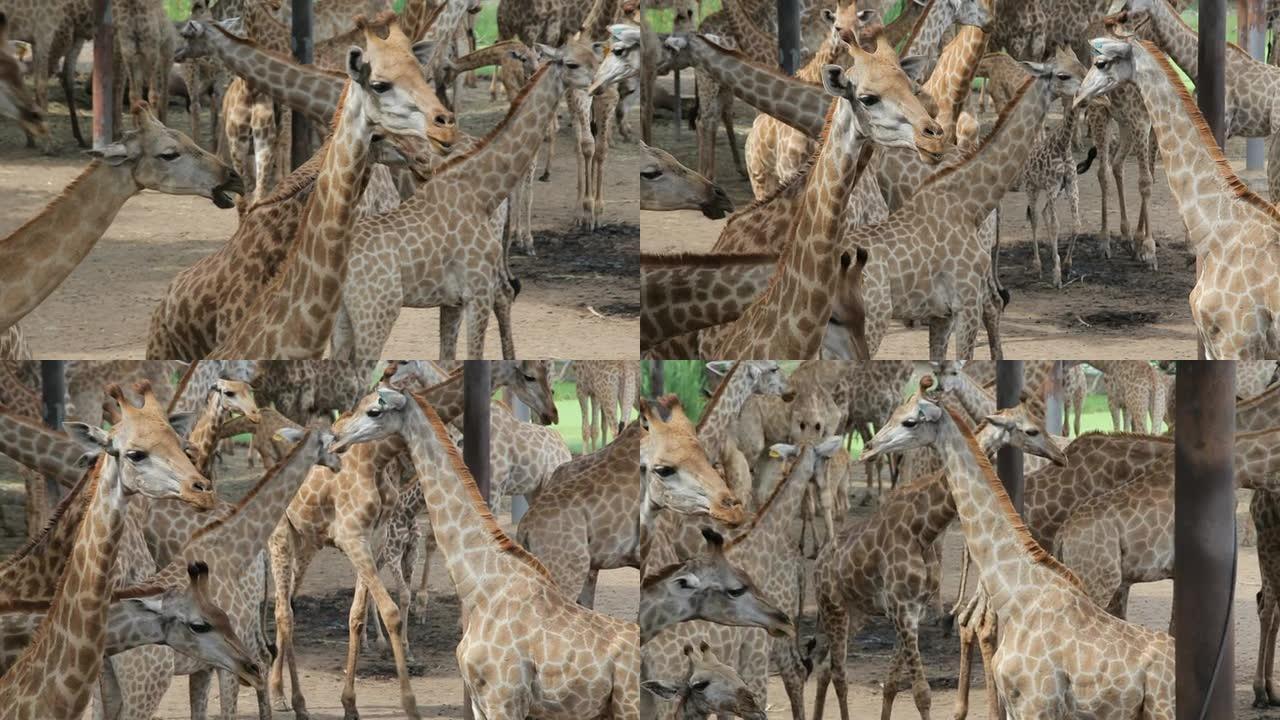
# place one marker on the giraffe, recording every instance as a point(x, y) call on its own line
point(457, 233)
point(15, 102)
point(740, 382)
point(86, 379)
point(765, 549)
point(54, 676)
point(342, 508)
point(1236, 311)
point(1254, 377)
point(53, 243)
point(188, 621)
point(584, 518)
point(761, 329)
point(706, 587)
point(1051, 170)
point(13, 344)
point(203, 77)
point(1009, 560)
point(1075, 386)
point(224, 399)
point(146, 40)
point(709, 686)
point(1134, 393)
point(44, 26)
point(665, 184)
point(1251, 108)
point(599, 385)
point(500, 586)
point(886, 566)
point(1125, 535)
point(1124, 106)
point(386, 94)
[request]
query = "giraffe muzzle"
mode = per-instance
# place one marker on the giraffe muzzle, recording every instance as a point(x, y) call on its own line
point(234, 184)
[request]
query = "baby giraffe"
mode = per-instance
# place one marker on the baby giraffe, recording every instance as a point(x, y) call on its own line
point(526, 649)
point(711, 687)
point(1060, 654)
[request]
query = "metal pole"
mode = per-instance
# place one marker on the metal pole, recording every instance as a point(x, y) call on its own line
point(1251, 34)
point(789, 35)
point(657, 379)
point(1211, 85)
point(303, 52)
point(1009, 460)
point(519, 503)
point(475, 442)
point(679, 109)
point(103, 74)
point(1204, 538)
point(1053, 415)
point(53, 394)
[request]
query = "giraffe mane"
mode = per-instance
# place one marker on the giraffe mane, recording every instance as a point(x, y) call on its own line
point(501, 539)
point(257, 489)
point(919, 25)
point(1033, 550)
point(73, 496)
point(713, 259)
point(1126, 436)
point(715, 397)
point(501, 126)
point(1001, 121)
point(796, 180)
point(72, 188)
point(1225, 173)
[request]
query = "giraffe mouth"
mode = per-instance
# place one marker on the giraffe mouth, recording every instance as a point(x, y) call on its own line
point(221, 194)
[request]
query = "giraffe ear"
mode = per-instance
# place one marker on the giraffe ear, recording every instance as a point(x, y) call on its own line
point(828, 15)
point(93, 439)
point(191, 29)
point(714, 539)
point(391, 399)
point(422, 50)
point(114, 154)
point(676, 43)
point(931, 412)
point(915, 66)
point(834, 81)
point(719, 367)
point(357, 69)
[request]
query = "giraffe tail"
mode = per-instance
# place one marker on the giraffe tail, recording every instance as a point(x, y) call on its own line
point(1083, 166)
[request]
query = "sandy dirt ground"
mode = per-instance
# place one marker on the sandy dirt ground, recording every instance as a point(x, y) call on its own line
point(1113, 308)
point(580, 296)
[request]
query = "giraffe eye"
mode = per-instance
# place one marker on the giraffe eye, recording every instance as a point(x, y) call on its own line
point(665, 471)
point(199, 627)
point(1032, 432)
point(136, 456)
point(230, 393)
point(869, 100)
point(380, 86)
point(736, 592)
point(650, 174)
point(373, 412)
point(909, 423)
point(701, 685)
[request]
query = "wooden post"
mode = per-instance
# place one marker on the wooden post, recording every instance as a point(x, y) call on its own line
point(475, 443)
point(303, 52)
point(1204, 538)
point(53, 394)
point(1009, 459)
point(103, 74)
point(789, 35)
point(1251, 34)
point(1211, 85)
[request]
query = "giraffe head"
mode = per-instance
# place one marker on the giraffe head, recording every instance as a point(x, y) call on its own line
point(710, 687)
point(914, 424)
point(163, 159)
point(675, 467)
point(15, 102)
point(324, 439)
point(1020, 428)
point(665, 184)
point(578, 62)
point(387, 80)
point(685, 18)
point(765, 376)
point(147, 451)
point(530, 380)
point(196, 36)
point(1112, 67)
point(622, 61)
point(236, 396)
point(884, 100)
point(708, 587)
point(813, 416)
point(194, 625)
point(849, 21)
point(949, 375)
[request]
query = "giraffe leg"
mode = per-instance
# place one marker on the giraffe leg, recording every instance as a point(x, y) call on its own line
point(357, 551)
point(1273, 698)
point(987, 644)
point(890, 691)
point(283, 572)
point(228, 694)
point(1261, 680)
point(1101, 141)
point(793, 675)
point(1051, 210)
point(726, 117)
point(584, 406)
point(1273, 168)
point(428, 549)
point(965, 680)
point(1033, 216)
point(1117, 172)
point(262, 125)
point(705, 123)
point(502, 311)
point(939, 337)
point(477, 314)
point(1073, 197)
point(450, 326)
point(198, 693)
point(966, 329)
point(1146, 248)
point(587, 598)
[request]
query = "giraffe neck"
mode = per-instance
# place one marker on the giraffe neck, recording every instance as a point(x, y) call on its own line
point(703, 290)
point(759, 45)
point(442, 32)
point(446, 398)
point(263, 28)
point(1176, 37)
point(798, 104)
point(229, 545)
point(976, 400)
point(781, 323)
point(774, 525)
point(478, 555)
point(129, 625)
point(660, 610)
point(1260, 413)
point(999, 544)
point(926, 37)
point(1257, 460)
point(975, 187)
point(596, 24)
point(718, 418)
point(51, 454)
point(204, 435)
point(34, 571)
point(15, 395)
point(1190, 165)
point(304, 88)
point(485, 56)
point(44, 251)
point(941, 504)
point(57, 673)
point(488, 174)
point(951, 80)
point(295, 316)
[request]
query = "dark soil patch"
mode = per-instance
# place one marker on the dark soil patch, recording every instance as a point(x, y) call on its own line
point(1116, 320)
point(612, 250)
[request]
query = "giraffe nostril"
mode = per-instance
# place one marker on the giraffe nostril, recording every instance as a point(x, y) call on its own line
point(444, 119)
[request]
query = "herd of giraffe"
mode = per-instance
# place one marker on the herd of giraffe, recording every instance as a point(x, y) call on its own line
point(398, 208)
point(914, 182)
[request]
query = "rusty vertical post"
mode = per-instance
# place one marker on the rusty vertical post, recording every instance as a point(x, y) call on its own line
point(475, 443)
point(103, 74)
point(1211, 85)
point(1009, 459)
point(1054, 411)
point(1251, 34)
point(1204, 538)
point(303, 52)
